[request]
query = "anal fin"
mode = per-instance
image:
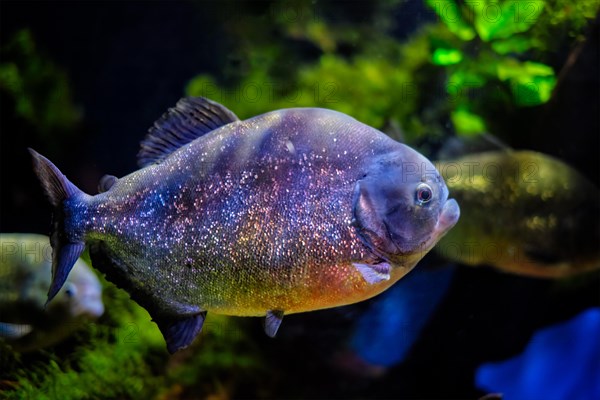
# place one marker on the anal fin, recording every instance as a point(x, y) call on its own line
point(272, 321)
point(374, 273)
point(180, 333)
point(178, 323)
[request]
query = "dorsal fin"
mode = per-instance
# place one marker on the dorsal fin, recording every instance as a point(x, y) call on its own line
point(191, 118)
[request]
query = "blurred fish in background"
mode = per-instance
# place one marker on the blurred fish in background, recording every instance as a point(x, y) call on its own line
point(27, 323)
point(525, 213)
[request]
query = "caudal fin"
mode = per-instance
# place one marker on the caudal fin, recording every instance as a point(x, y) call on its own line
point(65, 248)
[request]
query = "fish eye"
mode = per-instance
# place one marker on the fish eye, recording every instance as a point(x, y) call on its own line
point(71, 291)
point(423, 194)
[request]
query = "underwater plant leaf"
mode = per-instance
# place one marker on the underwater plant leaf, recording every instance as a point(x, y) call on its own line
point(318, 33)
point(531, 83)
point(510, 68)
point(10, 78)
point(462, 78)
point(534, 91)
point(446, 57)
point(462, 83)
point(450, 14)
point(513, 44)
point(467, 123)
point(497, 20)
point(40, 89)
point(538, 69)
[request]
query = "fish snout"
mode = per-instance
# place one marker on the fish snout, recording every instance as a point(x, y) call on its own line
point(93, 307)
point(88, 302)
point(449, 216)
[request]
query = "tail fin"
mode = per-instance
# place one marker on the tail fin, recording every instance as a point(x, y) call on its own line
point(65, 251)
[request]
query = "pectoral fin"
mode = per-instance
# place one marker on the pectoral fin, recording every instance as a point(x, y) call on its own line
point(180, 333)
point(374, 273)
point(272, 322)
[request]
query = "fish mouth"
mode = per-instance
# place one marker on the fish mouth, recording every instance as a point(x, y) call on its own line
point(448, 217)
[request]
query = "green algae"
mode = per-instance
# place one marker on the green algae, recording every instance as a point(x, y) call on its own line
point(39, 87)
point(123, 355)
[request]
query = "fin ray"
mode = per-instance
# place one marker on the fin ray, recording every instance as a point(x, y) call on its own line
point(191, 118)
point(65, 251)
point(56, 186)
point(272, 322)
point(180, 333)
point(68, 253)
point(374, 273)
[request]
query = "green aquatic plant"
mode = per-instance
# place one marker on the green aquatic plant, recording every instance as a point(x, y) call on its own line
point(39, 88)
point(299, 54)
point(123, 355)
point(110, 358)
point(480, 51)
point(473, 67)
point(563, 20)
point(486, 50)
point(376, 90)
point(222, 359)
